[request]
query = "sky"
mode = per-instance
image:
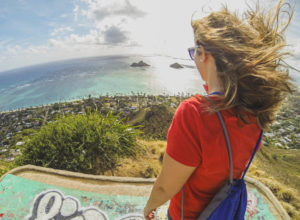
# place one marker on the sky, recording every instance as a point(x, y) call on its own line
point(39, 31)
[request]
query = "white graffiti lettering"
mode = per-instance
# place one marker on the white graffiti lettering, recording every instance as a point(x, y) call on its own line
point(53, 205)
point(48, 206)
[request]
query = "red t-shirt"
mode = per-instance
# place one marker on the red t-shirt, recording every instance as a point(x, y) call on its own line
point(196, 139)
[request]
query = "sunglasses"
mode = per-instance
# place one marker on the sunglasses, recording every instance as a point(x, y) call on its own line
point(192, 51)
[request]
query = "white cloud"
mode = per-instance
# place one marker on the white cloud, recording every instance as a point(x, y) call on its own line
point(296, 48)
point(75, 11)
point(37, 50)
point(110, 36)
point(109, 22)
point(113, 35)
point(56, 43)
point(74, 46)
point(11, 50)
point(92, 38)
point(63, 15)
point(101, 9)
point(293, 45)
point(61, 30)
point(4, 42)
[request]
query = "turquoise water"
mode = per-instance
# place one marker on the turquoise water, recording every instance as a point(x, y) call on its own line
point(75, 79)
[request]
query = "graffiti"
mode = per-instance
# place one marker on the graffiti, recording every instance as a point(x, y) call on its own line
point(162, 211)
point(21, 198)
point(132, 217)
point(252, 204)
point(52, 204)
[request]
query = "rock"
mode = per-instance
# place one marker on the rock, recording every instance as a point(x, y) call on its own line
point(189, 66)
point(139, 64)
point(176, 66)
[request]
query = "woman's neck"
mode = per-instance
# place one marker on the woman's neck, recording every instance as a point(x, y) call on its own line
point(214, 87)
point(213, 80)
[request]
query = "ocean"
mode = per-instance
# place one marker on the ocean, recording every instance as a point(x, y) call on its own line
point(96, 76)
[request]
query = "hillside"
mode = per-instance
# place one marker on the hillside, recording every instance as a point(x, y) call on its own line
point(154, 121)
point(279, 169)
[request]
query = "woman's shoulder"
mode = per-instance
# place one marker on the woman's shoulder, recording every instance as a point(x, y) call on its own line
point(195, 100)
point(189, 104)
point(189, 108)
point(198, 102)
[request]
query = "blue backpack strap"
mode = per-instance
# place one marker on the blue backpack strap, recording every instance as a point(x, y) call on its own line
point(182, 208)
point(215, 93)
point(257, 145)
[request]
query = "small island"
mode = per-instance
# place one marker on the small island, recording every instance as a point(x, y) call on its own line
point(176, 66)
point(139, 64)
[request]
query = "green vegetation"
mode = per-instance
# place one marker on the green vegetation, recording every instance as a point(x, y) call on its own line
point(154, 121)
point(279, 170)
point(285, 132)
point(5, 167)
point(90, 143)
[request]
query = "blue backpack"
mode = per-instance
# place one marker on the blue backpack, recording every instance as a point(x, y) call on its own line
point(230, 202)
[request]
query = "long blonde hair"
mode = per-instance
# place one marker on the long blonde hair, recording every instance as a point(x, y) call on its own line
point(248, 54)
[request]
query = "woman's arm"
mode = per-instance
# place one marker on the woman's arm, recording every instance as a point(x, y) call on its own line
point(170, 180)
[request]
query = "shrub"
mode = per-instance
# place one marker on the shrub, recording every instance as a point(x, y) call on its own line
point(157, 122)
point(5, 167)
point(90, 143)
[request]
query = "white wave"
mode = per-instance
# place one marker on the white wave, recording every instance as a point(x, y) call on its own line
point(23, 86)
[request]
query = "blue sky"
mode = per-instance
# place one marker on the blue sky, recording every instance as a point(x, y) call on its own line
point(38, 31)
point(32, 21)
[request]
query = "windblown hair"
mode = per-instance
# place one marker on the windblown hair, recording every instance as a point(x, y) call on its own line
point(248, 54)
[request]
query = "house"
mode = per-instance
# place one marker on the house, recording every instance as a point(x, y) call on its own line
point(19, 143)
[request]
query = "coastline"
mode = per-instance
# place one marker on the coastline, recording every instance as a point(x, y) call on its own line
point(182, 94)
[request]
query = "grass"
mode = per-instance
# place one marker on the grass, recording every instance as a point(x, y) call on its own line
point(279, 169)
point(147, 165)
point(5, 167)
point(139, 117)
point(283, 164)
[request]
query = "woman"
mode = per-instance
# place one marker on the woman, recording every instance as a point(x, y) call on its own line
point(240, 61)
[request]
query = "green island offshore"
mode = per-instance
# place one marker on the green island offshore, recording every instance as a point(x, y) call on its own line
point(34, 192)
